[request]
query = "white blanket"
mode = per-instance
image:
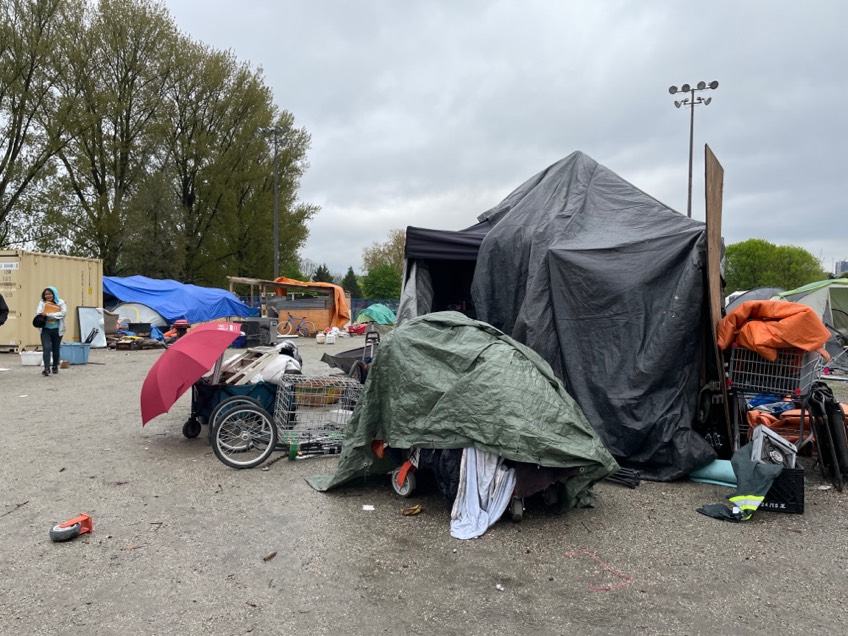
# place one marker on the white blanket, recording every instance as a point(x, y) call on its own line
point(485, 489)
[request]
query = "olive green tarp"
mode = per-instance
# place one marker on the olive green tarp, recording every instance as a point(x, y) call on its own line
point(445, 381)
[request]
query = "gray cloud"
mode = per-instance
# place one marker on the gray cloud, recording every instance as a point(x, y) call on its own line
point(429, 113)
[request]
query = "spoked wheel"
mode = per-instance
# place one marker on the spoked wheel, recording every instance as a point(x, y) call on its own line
point(284, 328)
point(306, 329)
point(226, 405)
point(406, 488)
point(244, 437)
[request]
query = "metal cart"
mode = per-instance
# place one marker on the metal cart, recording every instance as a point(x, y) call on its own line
point(791, 374)
point(310, 418)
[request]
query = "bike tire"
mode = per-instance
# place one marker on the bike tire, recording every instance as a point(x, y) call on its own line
point(244, 437)
point(227, 404)
point(285, 328)
point(306, 329)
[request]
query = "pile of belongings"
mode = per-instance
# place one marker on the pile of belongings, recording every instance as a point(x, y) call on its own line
point(784, 416)
point(445, 382)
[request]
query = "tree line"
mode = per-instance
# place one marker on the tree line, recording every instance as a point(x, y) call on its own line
point(759, 263)
point(124, 139)
point(383, 263)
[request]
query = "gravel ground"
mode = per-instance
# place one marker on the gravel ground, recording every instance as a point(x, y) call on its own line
point(181, 541)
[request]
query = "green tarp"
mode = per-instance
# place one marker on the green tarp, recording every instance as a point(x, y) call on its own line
point(445, 381)
point(378, 313)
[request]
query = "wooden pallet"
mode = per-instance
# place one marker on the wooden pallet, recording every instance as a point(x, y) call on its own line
point(241, 368)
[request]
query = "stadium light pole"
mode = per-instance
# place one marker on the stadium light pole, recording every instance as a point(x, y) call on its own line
point(274, 133)
point(691, 102)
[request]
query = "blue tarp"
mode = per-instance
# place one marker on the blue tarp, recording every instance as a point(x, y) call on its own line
point(176, 300)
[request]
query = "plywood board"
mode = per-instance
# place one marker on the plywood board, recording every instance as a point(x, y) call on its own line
point(714, 192)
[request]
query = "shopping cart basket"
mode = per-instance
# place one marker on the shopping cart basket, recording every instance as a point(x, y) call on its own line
point(310, 418)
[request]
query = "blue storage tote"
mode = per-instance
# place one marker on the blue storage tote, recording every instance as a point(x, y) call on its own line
point(75, 352)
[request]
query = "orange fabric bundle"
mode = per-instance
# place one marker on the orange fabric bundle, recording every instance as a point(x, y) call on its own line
point(765, 326)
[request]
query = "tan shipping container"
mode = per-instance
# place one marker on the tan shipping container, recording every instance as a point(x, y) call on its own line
point(24, 275)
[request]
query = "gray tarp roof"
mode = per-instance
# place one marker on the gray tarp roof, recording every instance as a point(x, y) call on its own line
point(445, 381)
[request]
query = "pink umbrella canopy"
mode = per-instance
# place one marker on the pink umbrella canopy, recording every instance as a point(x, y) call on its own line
point(182, 364)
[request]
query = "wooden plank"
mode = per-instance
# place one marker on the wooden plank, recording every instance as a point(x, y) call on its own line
point(255, 360)
point(714, 179)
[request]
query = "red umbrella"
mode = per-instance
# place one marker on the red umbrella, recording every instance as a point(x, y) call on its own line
point(182, 364)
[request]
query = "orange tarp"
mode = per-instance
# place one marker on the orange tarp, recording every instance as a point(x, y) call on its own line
point(765, 326)
point(341, 312)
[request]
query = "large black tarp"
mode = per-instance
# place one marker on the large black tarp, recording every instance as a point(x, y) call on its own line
point(607, 284)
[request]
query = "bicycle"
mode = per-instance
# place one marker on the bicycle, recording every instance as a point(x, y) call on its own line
point(291, 326)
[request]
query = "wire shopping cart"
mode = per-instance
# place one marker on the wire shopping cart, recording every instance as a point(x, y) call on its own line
point(310, 418)
point(790, 375)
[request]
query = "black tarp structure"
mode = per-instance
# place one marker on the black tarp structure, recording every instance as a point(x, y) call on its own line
point(608, 285)
point(439, 270)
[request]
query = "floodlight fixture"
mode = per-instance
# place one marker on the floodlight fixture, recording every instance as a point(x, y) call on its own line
point(691, 101)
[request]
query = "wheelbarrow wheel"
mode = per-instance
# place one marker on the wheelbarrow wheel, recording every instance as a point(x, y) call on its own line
point(59, 534)
point(191, 428)
point(407, 487)
point(244, 437)
point(359, 371)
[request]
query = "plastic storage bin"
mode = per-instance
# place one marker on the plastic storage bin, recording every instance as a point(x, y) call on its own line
point(31, 358)
point(75, 352)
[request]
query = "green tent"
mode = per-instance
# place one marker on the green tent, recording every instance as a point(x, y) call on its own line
point(829, 298)
point(445, 381)
point(378, 313)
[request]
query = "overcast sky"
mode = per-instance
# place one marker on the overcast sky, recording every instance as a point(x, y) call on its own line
point(430, 113)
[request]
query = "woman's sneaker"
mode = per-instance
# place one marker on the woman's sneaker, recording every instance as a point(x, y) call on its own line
point(45, 373)
point(55, 369)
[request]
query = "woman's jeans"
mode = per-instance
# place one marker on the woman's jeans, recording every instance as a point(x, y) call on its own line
point(51, 341)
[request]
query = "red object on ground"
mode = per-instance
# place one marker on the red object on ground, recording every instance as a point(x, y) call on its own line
point(182, 364)
point(357, 329)
point(86, 524)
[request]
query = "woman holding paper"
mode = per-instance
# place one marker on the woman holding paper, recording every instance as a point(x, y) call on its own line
point(53, 309)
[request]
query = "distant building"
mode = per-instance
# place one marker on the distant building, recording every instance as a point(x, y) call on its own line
point(841, 267)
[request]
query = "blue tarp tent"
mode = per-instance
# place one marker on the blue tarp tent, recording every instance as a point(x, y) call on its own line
point(176, 300)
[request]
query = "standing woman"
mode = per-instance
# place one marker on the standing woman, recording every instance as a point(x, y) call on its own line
point(53, 309)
